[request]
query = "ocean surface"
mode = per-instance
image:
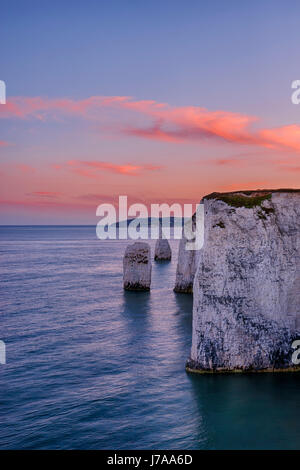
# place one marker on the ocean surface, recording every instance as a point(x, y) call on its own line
point(90, 366)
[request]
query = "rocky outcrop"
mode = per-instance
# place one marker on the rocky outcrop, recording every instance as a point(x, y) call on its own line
point(186, 266)
point(137, 267)
point(246, 311)
point(162, 250)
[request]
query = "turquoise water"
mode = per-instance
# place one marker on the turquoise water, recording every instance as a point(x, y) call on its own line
point(90, 366)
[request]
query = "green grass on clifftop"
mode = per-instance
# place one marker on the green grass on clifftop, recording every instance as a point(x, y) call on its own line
point(239, 200)
point(248, 199)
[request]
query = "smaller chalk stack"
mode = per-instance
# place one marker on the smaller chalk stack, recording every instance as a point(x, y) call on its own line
point(137, 267)
point(162, 250)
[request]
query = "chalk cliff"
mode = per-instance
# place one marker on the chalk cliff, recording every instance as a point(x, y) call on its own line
point(246, 311)
point(137, 267)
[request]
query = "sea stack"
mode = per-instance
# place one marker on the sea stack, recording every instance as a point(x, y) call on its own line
point(162, 250)
point(246, 311)
point(137, 267)
point(186, 265)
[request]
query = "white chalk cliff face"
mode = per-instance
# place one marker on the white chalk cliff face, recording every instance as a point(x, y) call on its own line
point(162, 250)
point(246, 311)
point(137, 267)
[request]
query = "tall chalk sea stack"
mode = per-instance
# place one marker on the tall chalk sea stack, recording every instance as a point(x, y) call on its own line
point(137, 267)
point(186, 265)
point(246, 311)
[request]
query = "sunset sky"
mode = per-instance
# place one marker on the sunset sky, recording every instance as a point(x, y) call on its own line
point(162, 101)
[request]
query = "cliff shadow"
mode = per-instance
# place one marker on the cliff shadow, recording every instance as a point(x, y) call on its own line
point(232, 407)
point(184, 318)
point(184, 303)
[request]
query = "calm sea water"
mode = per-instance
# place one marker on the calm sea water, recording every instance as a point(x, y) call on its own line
point(90, 366)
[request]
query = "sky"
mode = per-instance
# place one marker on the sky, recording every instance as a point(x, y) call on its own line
point(162, 101)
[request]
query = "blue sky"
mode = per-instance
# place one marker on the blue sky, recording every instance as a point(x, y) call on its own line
point(217, 54)
point(238, 57)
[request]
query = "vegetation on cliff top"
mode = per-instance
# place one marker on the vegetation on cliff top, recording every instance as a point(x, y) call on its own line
point(248, 199)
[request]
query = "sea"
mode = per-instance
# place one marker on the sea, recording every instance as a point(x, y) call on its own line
point(90, 366)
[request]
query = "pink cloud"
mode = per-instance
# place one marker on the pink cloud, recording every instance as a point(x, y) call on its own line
point(154, 132)
point(40, 108)
point(88, 168)
point(167, 123)
point(291, 169)
point(229, 162)
point(48, 204)
point(57, 166)
point(25, 168)
point(51, 194)
point(282, 136)
point(85, 203)
point(249, 185)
